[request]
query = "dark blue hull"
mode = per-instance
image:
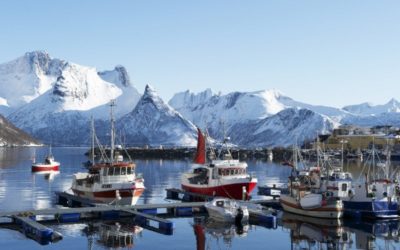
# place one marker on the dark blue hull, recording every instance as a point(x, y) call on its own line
point(370, 209)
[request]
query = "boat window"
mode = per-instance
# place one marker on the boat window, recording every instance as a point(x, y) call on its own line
point(104, 171)
point(110, 171)
point(123, 171)
point(220, 203)
point(219, 171)
point(232, 172)
point(344, 187)
point(236, 171)
point(129, 170)
point(117, 171)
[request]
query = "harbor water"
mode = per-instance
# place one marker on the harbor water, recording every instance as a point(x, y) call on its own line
point(20, 189)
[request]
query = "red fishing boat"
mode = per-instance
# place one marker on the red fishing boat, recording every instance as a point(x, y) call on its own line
point(225, 177)
point(49, 164)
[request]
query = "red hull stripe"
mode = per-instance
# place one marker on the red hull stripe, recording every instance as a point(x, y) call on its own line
point(111, 193)
point(43, 168)
point(231, 191)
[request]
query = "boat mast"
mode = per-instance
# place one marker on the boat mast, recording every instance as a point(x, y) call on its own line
point(373, 157)
point(318, 151)
point(92, 140)
point(295, 152)
point(112, 105)
point(387, 163)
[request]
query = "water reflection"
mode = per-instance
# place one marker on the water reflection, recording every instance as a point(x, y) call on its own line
point(210, 233)
point(22, 190)
point(47, 175)
point(114, 235)
point(313, 233)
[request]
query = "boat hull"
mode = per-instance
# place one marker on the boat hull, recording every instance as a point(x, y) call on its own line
point(128, 196)
point(227, 217)
point(290, 204)
point(233, 191)
point(44, 167)
point(371, 209)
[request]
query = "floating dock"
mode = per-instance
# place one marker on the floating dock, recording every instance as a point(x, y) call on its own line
point(146, 216)
point(150, 216)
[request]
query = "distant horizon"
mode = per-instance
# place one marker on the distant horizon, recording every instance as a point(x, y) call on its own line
point(321, 53)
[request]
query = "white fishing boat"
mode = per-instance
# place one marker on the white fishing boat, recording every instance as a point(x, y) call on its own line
point(113, 182)
point(225, 177)
point(227, 210)
point(305, 195)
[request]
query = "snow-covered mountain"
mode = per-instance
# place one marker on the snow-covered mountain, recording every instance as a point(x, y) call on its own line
point(221, 112)
point(12, 136)
point(382, 119)
point(26, 78)
point(255, 118)
point(68, 86)
point(62, 96)
point(367, 109)
point(53, 100)
point(154, 122)
point(288, 127)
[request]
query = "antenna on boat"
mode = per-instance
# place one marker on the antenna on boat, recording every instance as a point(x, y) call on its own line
point(112, 105)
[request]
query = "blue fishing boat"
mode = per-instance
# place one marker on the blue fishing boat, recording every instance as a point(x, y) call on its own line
point(377, 197)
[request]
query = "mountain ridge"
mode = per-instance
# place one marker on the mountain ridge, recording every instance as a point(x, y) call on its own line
point(54, 100)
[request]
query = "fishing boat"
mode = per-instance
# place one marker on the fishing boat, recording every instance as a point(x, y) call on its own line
point(305, 195)
point(227, 210)
point(114, 181)
point(225, 177)
point(49, 164)
point(378, 196)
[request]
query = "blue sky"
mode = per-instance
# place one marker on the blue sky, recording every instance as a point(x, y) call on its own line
point(321, 52)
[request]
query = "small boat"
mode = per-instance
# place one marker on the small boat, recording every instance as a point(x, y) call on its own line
point(227, 210)
point(225, 177)
point(49, 164)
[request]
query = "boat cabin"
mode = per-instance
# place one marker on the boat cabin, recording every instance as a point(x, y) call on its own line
point(109, 173)
point(49, 160)
point(203, 175)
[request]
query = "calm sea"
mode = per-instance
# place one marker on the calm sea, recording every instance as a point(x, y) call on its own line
point(22, 190)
